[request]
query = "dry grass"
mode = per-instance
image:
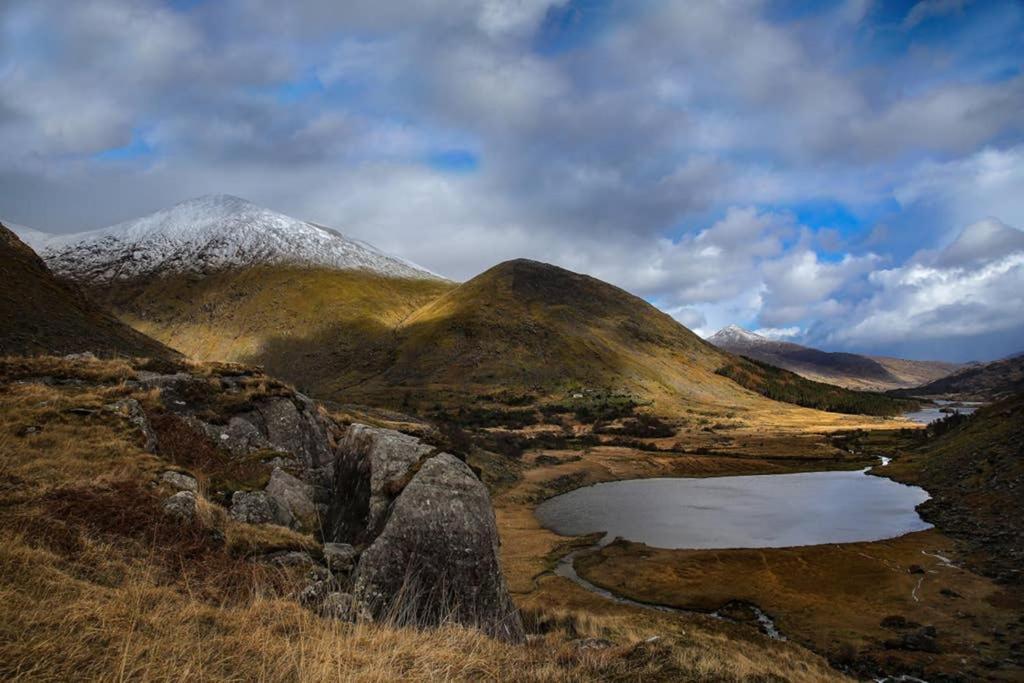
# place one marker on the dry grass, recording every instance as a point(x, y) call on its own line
point(97, 584)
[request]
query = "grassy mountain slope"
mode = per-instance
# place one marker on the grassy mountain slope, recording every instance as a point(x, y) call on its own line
point(981, 382)
point(305, 325)
point(524, 326)
point(532, 326)
point(39, 314)
point(783, 385)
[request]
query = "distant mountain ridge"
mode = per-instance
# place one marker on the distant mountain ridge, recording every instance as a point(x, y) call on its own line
point(977, 381)
point(209, 234)
point(850, 370)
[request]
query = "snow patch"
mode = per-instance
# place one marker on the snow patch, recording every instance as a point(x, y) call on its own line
point(207, 234)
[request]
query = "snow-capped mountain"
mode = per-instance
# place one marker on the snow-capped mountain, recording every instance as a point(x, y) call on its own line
point(207, 234)
point(736, 336)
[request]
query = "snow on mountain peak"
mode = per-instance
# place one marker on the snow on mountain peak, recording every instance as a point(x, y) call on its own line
point(206, 234)
point(736, 335)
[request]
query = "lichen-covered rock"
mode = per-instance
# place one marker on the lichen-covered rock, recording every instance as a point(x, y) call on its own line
point(179, 481)
point(295, 426)
point(296, 496)
point(182, 506)
point(372, 467)
point(340, 557)
point(437, 557)
point(257, 507)
point(240, 435)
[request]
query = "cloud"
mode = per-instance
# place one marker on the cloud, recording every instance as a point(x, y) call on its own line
point(779, 333)
point(662, 147)
point(926, 9)
point(972, 288)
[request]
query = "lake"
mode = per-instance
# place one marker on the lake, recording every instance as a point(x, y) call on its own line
point(932, 413)
point(762, 511)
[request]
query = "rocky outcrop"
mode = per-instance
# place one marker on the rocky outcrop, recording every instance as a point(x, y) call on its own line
point(437, 556)
point(410, 532)
point(372, 467)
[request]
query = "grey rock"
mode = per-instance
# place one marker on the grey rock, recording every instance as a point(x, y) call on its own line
point(372, 467)
point(340, 557)
point(437, 558)
point(131, 410)
point(182, 506)
point(180, 481)
point(296, 426)
point(256, 507)
point(296, 496)
point(240, 435)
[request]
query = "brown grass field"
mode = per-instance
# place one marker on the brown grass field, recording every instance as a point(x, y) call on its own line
point(96, 585)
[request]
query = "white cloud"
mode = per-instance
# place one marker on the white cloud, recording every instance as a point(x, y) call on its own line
point(968, 290)
point(779, 333)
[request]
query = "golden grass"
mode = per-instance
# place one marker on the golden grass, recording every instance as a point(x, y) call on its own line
point(97, 584)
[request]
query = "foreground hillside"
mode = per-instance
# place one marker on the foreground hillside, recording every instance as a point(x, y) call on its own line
point(849, 370)
point(108, 573)
point(39, 314)
point(974, 468)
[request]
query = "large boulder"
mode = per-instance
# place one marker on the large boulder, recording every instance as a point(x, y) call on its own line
point(372, 467)
point(436, 559)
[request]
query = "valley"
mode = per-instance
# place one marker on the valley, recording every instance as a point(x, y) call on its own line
point(511, 341)
point(310, 405)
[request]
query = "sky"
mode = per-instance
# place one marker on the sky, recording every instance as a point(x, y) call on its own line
point(849, 175)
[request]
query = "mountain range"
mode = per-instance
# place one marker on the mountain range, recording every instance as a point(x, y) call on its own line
point(850, 370)
point(219, 278)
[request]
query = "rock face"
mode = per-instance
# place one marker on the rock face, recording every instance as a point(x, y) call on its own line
point(256, 507)
point(372, 467)
point(295, 496)
point(410, 532)
point(437, 557)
